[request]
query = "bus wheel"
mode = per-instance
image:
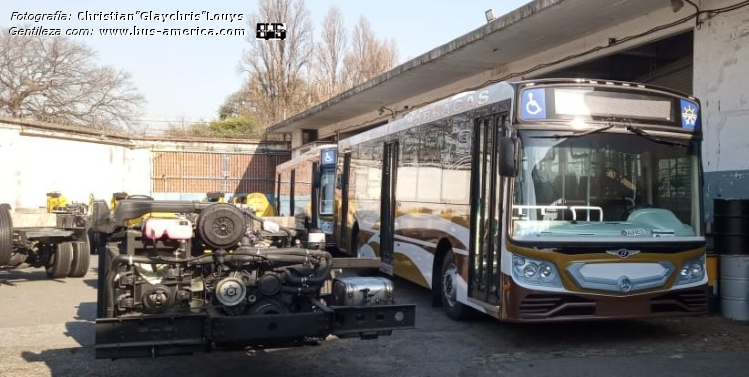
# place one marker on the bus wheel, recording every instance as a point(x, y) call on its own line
point(6, 234)
point(60, 261)
point(81, 255)
point(449, 288)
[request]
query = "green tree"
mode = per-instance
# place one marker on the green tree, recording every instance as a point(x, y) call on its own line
point(240, 127)
point(235, 105)
point(235, 128)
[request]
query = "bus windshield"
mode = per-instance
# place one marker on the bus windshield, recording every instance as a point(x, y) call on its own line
point(605, 185)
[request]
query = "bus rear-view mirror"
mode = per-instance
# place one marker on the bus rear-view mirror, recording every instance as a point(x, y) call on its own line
point(508, 152)
point(316, 178)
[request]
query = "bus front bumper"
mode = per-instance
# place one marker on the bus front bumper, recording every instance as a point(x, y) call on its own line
point(527, 305)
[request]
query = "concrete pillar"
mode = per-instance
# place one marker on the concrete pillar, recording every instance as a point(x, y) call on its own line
point(296, 139)
point(721, 81)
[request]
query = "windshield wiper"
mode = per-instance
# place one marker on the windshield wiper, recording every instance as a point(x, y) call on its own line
point(640, 132)
point(583, 133)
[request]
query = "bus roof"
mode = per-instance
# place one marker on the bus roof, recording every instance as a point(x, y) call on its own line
point(489, 94)
point(445, 108)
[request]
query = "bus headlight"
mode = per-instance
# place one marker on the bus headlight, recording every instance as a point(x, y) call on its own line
point(697, 269)
point(546, 271)
point(535, 272)
point(530, 270)
point(691, 271)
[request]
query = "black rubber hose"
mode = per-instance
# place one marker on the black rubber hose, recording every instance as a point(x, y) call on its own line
point(133, 209)
point(287, 254)
point(253, 216)
point(323, 271)
point(202, 259)
point(298, 256)
point(141, 259)
point(230, 258)
point(300, 290)
point(260, 220)
point(285, 251)
point(300, 269)
point(296, 259)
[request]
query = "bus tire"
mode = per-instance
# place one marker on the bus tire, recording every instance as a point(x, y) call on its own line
point(6, 234)
point(60, 261)
point(449, 288)
point(81, 259)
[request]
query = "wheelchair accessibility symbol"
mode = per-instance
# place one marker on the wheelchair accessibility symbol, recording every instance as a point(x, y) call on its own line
point(533, 104)
point(328, 157)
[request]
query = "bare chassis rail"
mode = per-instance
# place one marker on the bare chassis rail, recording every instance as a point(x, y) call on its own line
point(173, 334)
point(43, 233)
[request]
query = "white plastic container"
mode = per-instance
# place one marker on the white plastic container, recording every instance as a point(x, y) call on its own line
point(174, 229)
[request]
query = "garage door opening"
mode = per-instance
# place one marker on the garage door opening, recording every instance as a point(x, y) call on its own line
point(667, 62)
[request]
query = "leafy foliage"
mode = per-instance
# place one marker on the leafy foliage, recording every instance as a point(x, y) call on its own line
point(240, 127)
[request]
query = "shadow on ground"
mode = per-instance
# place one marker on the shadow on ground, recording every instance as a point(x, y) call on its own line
point(92, 282)
point(438, 346)
point(311, 361)
point(12, 277)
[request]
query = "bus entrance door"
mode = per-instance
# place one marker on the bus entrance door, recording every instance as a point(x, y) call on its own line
point(387, 206)
point(486, 200)
point(342, 181)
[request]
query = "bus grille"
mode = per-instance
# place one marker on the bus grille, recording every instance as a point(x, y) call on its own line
point(543, 305)
point(684, 301)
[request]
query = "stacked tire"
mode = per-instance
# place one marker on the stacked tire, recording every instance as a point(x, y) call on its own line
point(60, 260)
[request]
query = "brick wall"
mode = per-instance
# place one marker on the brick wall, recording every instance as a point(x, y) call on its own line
point(201, 172)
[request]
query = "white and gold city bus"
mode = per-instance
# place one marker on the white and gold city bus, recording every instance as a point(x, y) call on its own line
point(548, 200)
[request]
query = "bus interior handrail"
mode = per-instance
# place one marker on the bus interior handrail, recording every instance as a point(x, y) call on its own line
point(554, 208)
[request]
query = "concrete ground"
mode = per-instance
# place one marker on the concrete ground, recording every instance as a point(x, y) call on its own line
point(46, 329)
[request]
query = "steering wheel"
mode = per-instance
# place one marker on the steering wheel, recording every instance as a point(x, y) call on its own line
point(626, 214)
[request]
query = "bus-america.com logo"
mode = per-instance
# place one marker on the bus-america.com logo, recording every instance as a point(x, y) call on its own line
point(271, 30)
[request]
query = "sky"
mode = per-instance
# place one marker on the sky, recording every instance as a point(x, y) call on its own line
point(186, 78)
